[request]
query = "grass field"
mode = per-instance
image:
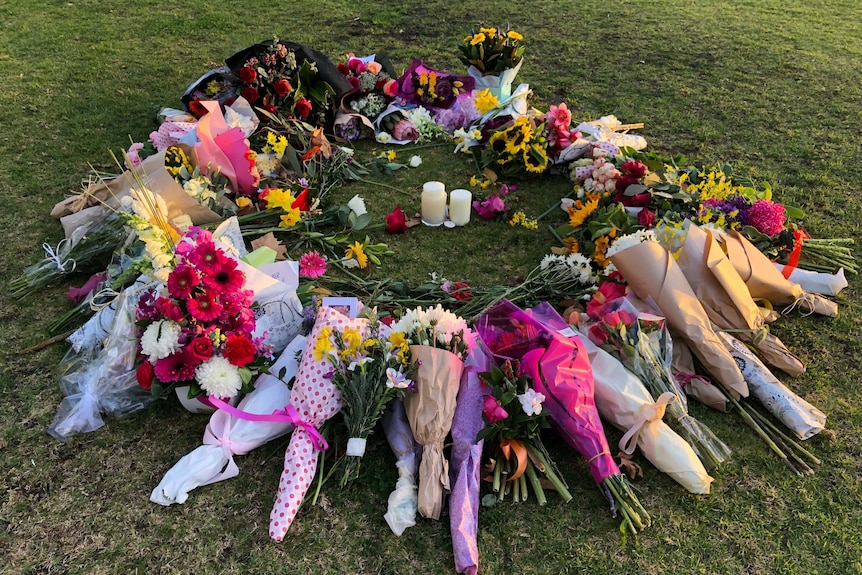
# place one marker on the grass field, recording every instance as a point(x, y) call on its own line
point(772, 86)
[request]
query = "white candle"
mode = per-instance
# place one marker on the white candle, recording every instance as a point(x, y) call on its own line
point(460, 206)
point(433, 203)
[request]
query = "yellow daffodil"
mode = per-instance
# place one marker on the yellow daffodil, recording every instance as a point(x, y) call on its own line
point(485, 101)
point(477, 39)
point(243, 202)
point(278, 198)
point(290, 219)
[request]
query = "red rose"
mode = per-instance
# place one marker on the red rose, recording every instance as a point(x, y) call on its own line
point(270, 108)
point(282, 88)
point(239, 350)
point(202, 348)
point(247, 74)
point(461, 291)
point(250, 94)
point(144, 375)
point(343, 69)
point(634, 167)
point(598, 334)
point(354, 82)
point(302, 108)
point(647, 218)
point(396, 221)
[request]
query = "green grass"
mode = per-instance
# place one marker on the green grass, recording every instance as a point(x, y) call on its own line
point(773, 86)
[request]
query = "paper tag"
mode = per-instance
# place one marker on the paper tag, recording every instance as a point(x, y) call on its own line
point(568, 332)
point(356, 447)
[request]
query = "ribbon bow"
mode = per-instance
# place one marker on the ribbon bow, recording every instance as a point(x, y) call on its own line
point(54, 255)
point(647, 414)
point(287, 415)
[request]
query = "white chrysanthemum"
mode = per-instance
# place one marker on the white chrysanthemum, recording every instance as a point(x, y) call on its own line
point(627, 241)
point(581, 268)
point(357, 204)
point(218, 377)
point(531, 401)
point(160, 339)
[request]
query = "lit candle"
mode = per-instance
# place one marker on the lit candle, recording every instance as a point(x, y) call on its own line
point(433, 203)
point(459, 206)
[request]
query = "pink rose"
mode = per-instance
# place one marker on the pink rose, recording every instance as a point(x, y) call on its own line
point(492, 410)
point(374, 67)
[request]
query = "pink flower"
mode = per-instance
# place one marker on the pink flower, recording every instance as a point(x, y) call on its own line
point(177, 367)
point(239, 350)
point(607, 292)
point(490, 207)
point(767, 217)
point(405, 131)
point(205, 256)
point(492, 410)
point(356, 65)
point(134, 160)
point(204, 307)
point(201, 347)
point(312, 265)
point(225, 277)
point(374, 67)
point(598, 334)
point(559, 117)
point(390, 88)
point(181, 281)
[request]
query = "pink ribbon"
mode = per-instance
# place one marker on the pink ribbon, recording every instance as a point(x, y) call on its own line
point(286, 415)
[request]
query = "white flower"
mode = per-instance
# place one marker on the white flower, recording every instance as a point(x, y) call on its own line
point(160, 339)
point(531, 401)
point(357, 204)
point(358, 363)
point(396, 379)
point(384, 137)
point(627, 241)
point(218, 377)
point(466, 139)
point(415, 161)
point(566, 204)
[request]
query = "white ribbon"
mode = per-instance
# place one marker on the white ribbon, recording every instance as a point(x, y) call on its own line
point(54, 255)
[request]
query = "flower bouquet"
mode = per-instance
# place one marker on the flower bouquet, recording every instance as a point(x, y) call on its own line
point(438, 342)
point(425, 86)
point(369, 371)
point(641, 342)
point(286, 79)
point(229, 434)
point(561, 371)
point(403, 501)
point(624, 402)
point(517, 148)
point(494, 57)
point(514, 415)
point(196, 331)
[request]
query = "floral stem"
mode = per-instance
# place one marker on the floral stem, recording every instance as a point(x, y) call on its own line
point(536, 483)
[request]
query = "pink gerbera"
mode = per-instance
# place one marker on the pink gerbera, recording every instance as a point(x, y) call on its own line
point(224, 276)
point(204, 307)
point(205, 256)
point(179, 366)
point(181, 281)
point(312, 265)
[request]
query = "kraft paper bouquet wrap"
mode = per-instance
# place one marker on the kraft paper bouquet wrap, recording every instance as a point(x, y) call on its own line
point(561, 371)
point(229, 434)
point(466, 462)
point(439, 341)
point(624, 401)
point(764, 281)
point(726, 299)
point(653, 274)
point(315, 399)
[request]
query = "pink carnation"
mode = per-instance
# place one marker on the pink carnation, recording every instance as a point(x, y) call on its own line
point(767, 217)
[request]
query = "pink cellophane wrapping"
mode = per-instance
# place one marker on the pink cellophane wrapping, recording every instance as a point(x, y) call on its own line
point(316, 399)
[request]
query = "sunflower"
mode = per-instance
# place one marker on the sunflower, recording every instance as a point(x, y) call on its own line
point(535, 159)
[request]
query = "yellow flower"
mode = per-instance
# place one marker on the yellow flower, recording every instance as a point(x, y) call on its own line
point(477, 39)
point(277, 143)
point(512, 35)
point(278, 198)
point(390, 155)
point(488, 31)
point(290, 219)
point(517, 218)
point(601, 249)
point(535, 159)
point(572, 245)
point(351, 338)
point(714, 185)
point(519, 139)
point(322, 345)
point(243, 202)
point(485, 101)
point(579, 214)
point(399, 343)
point(357, 250)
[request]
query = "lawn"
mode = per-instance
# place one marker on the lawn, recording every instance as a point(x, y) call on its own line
point(772, 86)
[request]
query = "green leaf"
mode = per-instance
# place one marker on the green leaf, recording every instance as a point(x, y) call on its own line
point(793, 212)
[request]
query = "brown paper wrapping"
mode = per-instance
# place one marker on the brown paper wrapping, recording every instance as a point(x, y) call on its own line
point(652, 273)
point(727, 300)
point(155, 178)
point(703, 391)
point(430, 411)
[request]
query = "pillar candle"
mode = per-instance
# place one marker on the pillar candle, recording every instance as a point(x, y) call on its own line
point(459, 206)
point(433, 203)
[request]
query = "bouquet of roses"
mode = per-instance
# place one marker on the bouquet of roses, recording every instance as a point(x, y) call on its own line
point(283, 78)
point(369, 371)
point(515, 415)
point(438, 342)
point(197, 329)
point(641, 341)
